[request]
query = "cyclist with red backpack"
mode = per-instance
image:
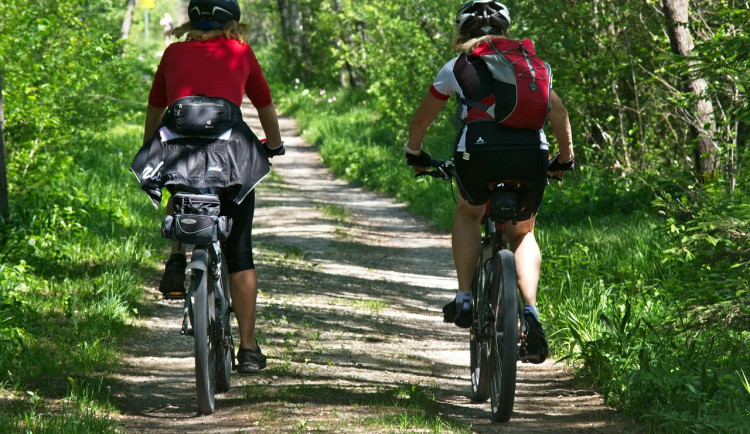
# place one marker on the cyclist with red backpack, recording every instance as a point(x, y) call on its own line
point(505, 98)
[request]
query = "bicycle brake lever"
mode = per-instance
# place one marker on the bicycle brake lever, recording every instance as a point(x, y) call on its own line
point(445, 175)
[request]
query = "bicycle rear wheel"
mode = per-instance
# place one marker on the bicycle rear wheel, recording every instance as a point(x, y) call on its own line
point(204, 318)
point(478, 343)
point(223, 337)
point(503, 346)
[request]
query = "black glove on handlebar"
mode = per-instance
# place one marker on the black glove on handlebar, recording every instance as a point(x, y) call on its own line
point(556, 166)
point(272, 152)
point(421, 160)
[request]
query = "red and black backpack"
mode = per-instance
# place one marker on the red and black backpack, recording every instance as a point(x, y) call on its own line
point(522, 84)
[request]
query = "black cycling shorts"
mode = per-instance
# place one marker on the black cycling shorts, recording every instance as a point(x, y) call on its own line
point(238, 249)
point(525, 164)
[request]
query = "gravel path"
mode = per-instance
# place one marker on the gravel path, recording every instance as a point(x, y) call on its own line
point(352, 286)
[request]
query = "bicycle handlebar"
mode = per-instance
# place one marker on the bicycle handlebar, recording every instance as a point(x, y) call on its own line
point(445, 169)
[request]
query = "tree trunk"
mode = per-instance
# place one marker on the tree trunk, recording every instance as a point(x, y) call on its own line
point(349, 74)
point(127, 23)
point(4, 207)
point(704, 124)
point(291, 24)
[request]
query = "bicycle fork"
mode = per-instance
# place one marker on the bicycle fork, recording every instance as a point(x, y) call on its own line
point(222, 333)
point(198, 268)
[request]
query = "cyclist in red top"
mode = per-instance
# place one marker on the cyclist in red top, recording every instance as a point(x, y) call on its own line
point(215, 60)
point(486, 151)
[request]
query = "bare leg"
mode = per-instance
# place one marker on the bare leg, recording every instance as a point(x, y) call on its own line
point(466, 236)
point(528, 258)
point(244, 289)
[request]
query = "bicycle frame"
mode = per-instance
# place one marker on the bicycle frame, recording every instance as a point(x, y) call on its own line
point(207, 306)
point(496, 343)
point(494, 352)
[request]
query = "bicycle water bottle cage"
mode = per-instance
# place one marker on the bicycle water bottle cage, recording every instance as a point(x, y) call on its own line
point(504, 200)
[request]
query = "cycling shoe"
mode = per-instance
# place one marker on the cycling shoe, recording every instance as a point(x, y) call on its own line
point(250, 361)
point(534, 348)
point(458, 311)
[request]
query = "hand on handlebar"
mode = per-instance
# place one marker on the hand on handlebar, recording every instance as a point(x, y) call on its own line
point(272, 152)
point(556, 169)
point(421, 162)
point(441, 169)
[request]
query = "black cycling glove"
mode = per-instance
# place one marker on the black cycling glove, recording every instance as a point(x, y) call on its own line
point(421, 160)
point(272, 152)
point(556, 166)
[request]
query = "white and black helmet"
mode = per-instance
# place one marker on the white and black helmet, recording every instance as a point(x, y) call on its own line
point(482, 17)
point(206, 14)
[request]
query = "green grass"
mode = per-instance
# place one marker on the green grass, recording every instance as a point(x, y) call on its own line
point(76, 253)
point(336, 212)
point(82, 410)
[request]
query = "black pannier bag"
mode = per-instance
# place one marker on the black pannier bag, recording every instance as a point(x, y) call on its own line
point(202, 116)
point(196, 220)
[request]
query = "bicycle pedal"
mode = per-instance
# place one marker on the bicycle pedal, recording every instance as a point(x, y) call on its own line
point(176, 295)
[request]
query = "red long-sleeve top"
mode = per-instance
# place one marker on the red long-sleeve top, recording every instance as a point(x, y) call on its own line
point(218, 67)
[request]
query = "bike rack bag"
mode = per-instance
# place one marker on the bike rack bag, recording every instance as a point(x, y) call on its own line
point(196, 220)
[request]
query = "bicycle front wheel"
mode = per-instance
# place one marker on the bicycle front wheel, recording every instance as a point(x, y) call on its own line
point(204, 318)
point(503, 346)
point(478, 343)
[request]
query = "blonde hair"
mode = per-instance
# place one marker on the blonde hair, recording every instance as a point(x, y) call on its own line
point(231, 30)
point(467, 44)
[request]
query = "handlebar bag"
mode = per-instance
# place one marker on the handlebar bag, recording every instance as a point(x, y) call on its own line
point(196, 220)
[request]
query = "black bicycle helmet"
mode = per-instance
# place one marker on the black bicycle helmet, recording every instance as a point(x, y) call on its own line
point(482, 17)
point(212, 14)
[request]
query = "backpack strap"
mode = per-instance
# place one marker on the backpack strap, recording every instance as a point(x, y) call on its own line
point(473, 104)
point(477, 105)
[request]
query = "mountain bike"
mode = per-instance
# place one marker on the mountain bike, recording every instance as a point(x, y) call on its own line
point(207, 309)
point(497, 326)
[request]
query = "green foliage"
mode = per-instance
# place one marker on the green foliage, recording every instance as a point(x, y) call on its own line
point(76, 247)
point(612, 63)
point(64, 72)
point(655, 305)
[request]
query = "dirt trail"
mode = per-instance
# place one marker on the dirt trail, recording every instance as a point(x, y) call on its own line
point(349, 315)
